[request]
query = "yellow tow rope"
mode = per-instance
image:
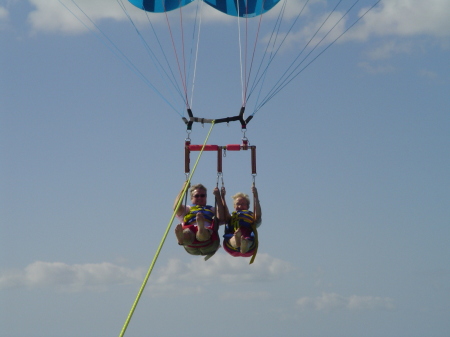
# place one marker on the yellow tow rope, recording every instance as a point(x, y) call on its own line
point(141, 290)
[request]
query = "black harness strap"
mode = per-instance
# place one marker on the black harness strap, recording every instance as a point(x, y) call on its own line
point(239, 118)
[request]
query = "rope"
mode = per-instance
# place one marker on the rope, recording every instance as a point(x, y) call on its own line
point(293, 76)
point(147, 276)
point(272, 43)
point(156, 62)
point(199, 10)
point(240, 54)
point(288, 72)
point(289, 75)
point(108, 43)
point(294, 69)
point(248, 76)
point(182, 78)
point(274, 38)
point(184, 59)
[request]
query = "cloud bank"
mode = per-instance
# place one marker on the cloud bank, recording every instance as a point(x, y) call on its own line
point(407, 18)
point(390, 17)
point(3, 13)
point(332, 301)
point(176, 275)
point(66, 277)
point(63, 16)
point(4, 18)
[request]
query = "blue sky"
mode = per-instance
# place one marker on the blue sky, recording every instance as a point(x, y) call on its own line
point(353, 176)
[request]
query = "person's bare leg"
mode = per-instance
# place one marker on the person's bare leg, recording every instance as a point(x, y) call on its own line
point(237, 238)
point(245, 245)
point(188, 236)
point(179, 234)
point(203, 233)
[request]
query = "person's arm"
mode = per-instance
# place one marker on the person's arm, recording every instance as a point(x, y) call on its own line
point(220, 211)
point(257, 206)
point(181, 209)
point(227, 215)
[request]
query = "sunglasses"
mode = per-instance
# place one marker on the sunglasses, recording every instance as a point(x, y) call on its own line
point(199, 195)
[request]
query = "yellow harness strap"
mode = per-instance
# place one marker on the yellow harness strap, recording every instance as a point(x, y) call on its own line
point(255, 231)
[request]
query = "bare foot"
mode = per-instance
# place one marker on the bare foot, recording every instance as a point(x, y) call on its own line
point(237, 238)
point(200, 221)
point(179, 233)
point(245, 245)
point(203, 233)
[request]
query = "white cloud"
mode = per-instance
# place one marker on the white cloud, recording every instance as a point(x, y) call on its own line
point(175, 278)
point(65, 15)
point(376, 69)
point(332, 301)
point(399, 21)
point(390, 48)
point(4, 18)
point(226, 269)
point(431, 75)
point(400, 18)
point(405, 18)
point(322, 31)
point(390, 18)
point(70, 277)
point(178, 278)
point(244, 296)
point(3, 13)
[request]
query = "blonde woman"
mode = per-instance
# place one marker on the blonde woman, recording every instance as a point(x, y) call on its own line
point(239, 239)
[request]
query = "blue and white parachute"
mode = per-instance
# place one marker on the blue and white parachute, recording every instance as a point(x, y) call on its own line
point(242, 8)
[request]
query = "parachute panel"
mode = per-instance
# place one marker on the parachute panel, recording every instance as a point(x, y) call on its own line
point(245, 8)
point(159, 6)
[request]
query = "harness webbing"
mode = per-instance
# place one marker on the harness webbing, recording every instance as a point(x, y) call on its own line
point(255, 231)
point(147, 276)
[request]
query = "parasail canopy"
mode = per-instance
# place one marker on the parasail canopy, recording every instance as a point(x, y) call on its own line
point(242, 8)
point(295, 37)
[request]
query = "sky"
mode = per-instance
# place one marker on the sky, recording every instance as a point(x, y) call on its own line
point(353, 162)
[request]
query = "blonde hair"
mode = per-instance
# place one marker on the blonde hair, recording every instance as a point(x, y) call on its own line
point(197, 187)
point(241, 195)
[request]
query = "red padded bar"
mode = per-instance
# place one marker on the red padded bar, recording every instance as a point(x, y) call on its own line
point(207, 147)
point(233, 147)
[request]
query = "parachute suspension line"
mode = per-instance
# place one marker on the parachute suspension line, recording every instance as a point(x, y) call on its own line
point(184, 58)
point(294, 74)
point(272, 44)
point(276, 28)
point(240, 53)
point(171, 78)
point(253, 54)
point(199, 10)
point(330, 44)
point(147, 276)
point(159, 67)
point(284, 77)
point(108, 43)
point(245, 55)
point(182, 78)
